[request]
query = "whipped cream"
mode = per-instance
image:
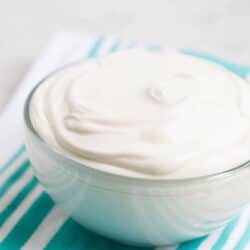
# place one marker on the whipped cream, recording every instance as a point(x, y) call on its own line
point(146, 114)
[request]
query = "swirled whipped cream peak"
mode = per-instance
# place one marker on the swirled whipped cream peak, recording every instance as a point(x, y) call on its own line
point(146, 114)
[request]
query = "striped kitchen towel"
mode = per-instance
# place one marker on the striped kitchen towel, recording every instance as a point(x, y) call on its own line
point(28, 217)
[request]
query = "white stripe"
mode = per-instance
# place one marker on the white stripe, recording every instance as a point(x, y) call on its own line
point(11, 170)
point(14, 190)
point(46, 230)
point(211, 239)
point(247, 247)
point(105, 46)
point(238, 231)
point(19, 212)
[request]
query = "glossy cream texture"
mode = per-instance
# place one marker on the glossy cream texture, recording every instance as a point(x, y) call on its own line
point(146, 114)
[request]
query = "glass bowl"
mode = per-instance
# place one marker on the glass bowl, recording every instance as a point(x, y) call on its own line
point(137, 211)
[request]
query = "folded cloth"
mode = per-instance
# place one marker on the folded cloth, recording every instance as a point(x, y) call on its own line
point(28, 217)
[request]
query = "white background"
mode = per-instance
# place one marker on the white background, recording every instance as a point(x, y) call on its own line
point(219, 27)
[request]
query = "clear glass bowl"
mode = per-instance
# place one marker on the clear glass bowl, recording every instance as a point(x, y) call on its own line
point(137, 211)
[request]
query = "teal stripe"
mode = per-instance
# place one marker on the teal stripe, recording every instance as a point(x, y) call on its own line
point(16, 155)
point(225, 234)
point(17, 200)
point(28, 224)
point(92, 52)
point(244, 240)
point(72, 236)
point(241, 70)
point(114, 47)
point(13, 178)
point(192, 245)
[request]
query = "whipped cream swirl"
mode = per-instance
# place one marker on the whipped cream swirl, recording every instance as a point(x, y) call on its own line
point(148, 114)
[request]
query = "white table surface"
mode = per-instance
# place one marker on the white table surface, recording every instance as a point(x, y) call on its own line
point(219, 27)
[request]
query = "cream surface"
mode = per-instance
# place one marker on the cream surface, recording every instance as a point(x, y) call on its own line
point(146, 114)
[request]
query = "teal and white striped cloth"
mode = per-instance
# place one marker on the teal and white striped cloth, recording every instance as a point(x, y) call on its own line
point(28, 217)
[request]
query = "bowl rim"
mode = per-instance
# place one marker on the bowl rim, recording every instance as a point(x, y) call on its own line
point(211, 177)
